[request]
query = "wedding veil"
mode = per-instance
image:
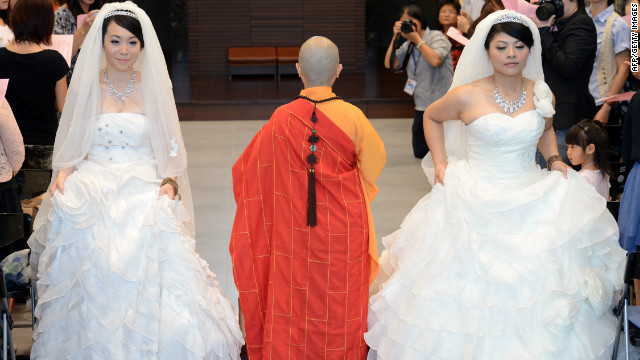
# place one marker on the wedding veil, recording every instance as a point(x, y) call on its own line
point(474, 64)
point(82, 107)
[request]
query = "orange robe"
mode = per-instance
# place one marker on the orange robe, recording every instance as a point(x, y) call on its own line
point(304, 291)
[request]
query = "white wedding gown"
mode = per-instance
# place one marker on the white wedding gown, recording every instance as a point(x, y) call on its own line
point(505, 261)
point(118, 275)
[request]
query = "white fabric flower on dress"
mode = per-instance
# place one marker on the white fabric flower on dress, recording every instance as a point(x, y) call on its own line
point(596, 293)
point(174, 148)
point(559, 315)
point(543, 99)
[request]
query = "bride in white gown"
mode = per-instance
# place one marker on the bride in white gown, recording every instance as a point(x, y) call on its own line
point(502, 260)
point(113, 249)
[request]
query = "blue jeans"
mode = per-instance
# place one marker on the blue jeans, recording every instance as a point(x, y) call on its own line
point(561, 138)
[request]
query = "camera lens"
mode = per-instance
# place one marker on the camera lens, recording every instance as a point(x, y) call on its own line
point(545, 11)
point(407, 26)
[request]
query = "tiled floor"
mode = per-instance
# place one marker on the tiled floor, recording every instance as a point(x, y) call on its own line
point(214, 147)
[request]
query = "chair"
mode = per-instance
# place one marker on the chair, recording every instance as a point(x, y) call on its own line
point(33, 182)
point(7, 337)
point(16, 227)
point(627, 313)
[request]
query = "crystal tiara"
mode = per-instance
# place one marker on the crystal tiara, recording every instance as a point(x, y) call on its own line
point(121, 12)
point(511, 16)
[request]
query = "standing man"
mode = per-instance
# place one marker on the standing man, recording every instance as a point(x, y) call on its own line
point(569, 45)
point(303, 243)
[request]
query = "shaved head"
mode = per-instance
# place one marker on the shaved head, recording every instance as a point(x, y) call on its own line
point(318, 62)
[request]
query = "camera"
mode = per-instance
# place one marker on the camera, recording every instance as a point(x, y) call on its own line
point(407, 26)
point(548, 8)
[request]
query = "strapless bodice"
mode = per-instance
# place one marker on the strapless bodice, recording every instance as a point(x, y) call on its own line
point(503, 146)
point(121, 138)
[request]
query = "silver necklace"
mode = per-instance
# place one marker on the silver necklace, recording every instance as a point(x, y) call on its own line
point(121, 96)
point(509, 106)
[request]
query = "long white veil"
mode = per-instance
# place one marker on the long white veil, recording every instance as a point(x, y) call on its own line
point(474, 64)
point(82, 107)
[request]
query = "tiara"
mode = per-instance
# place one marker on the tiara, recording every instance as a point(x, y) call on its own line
point(121, 12)
point(510, 17)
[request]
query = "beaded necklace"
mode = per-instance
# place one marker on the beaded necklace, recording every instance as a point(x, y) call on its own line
point(312, 159)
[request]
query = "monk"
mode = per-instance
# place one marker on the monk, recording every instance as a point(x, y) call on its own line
point(303, 243)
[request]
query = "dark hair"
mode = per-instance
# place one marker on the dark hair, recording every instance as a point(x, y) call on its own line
point(513, 29)
point(32, 20)
point(76, 9)
point(591, 132)
point(443, 3)
point(415, 12)
point(129, 23)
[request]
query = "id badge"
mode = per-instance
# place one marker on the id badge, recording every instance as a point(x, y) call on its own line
point(410, 86)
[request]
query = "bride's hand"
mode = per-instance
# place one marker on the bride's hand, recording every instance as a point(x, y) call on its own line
point(167, 189)
point(559, 165)
point(440, 170)
point(58, 185)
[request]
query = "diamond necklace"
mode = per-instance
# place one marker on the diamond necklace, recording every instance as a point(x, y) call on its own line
point(509, 106)
point(122, 96)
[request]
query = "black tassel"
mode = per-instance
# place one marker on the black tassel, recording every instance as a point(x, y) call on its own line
point(312, 159)
point(311, 198)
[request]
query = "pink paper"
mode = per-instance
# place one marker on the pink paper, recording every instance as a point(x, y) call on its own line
point(627, 18)
point(456, 35)
point(620, 97)
point(3, 88)
point(62, 44)
point(80, 20)
point(520, 6)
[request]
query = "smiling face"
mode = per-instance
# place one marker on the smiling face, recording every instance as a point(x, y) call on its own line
point(507, 54)
point(121, 48)
point(4, 4)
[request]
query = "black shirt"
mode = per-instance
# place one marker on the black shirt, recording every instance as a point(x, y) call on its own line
point(31, 92)
point(631, 131)
point(567, 61)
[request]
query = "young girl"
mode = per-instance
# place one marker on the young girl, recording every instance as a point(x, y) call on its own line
point(587, 146)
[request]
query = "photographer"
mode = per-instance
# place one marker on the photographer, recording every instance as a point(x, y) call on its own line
point(426, 57)
point(568, 53)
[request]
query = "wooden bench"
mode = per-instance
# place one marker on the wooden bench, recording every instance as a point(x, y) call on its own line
point(263, 60)
point(287, 59)
point(254, 60)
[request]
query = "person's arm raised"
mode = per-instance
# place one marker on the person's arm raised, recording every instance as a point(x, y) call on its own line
point(387, 56)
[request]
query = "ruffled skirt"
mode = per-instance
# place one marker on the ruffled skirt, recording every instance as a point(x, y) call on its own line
point(488, 269)
point(118, 275)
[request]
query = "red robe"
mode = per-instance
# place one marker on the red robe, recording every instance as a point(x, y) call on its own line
point(303, 291)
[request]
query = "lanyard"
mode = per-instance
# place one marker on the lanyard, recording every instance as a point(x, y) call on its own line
point(415, 61)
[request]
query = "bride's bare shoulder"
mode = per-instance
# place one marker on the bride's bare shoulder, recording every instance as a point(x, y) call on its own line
point(479, 86)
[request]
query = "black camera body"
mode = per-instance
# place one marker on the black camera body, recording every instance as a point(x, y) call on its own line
point(407, 26)
point(548, 8)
